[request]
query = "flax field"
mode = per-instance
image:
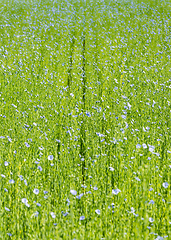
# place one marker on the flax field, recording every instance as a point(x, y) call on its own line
point(85, 120)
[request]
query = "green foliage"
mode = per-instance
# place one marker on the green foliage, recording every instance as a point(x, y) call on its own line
point(85, 120)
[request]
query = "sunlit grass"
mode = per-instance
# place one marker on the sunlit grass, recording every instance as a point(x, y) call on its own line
point(85, 120)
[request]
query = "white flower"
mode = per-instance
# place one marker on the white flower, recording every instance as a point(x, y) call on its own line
point(137, 179)
point(21, 177)
point(132, 210)
point(159, 238)
point(165, 185)
point(36, 191)
point(151, 148)
point(27, 145)
point(53, 215)
point(24, 200)
point(144, 145)
point(97, 211)
point(100, 135)
point(7, 209)
point(73, 192)
point(80, 196)
point(111, 169)
point(115, 191)
point(11, 181)
point(50, 157)
point(123, 116)
point(40, 168)
point(138, 146)
point(151, 220)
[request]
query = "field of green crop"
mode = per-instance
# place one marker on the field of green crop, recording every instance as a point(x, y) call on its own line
point(85, 120)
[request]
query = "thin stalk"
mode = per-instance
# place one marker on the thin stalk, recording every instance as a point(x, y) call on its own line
point(82, 130)
point(70, 63)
